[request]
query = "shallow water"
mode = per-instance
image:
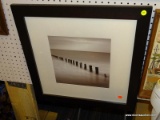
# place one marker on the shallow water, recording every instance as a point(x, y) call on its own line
point(74, 74)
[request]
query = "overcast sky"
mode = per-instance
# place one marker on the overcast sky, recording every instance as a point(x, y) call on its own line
point(80, 44)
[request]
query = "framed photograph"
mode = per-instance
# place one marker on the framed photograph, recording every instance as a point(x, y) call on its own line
point(3, 25)
point(84, 55)
point(152, 65)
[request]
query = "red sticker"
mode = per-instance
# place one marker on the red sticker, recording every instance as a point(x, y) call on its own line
point(120, 97)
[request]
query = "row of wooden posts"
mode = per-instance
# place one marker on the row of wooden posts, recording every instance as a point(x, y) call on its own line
point(80, 64)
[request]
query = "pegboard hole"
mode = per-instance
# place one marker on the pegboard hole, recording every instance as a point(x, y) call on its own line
point(155, 4)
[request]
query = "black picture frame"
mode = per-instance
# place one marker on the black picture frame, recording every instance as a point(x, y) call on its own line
point(140, 13)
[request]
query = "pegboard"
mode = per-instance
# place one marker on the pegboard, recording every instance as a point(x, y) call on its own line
point(12, 61)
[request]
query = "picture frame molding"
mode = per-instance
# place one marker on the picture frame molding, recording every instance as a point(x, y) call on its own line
point(3, 24)
point(136, 61)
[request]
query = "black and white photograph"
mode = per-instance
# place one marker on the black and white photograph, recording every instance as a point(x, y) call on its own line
point(81, 61)
point(87, 55)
